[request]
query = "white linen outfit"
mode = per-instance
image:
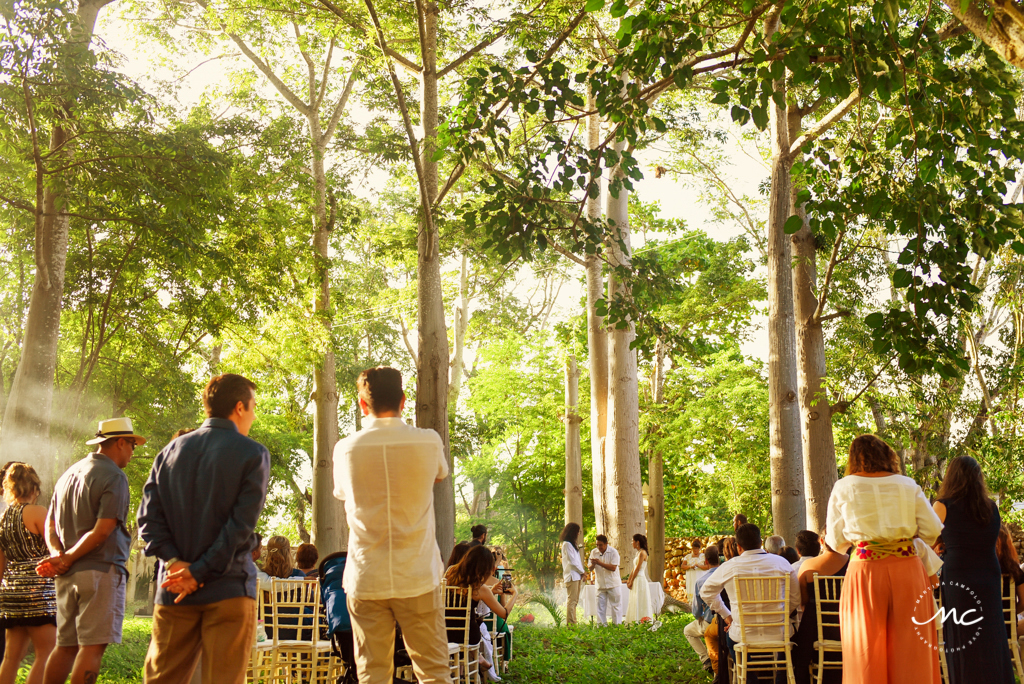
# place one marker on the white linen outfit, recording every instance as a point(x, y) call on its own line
point(572, 576)
point(608, 584)
point(385, 474)
point(693, 573)
point(639, 605)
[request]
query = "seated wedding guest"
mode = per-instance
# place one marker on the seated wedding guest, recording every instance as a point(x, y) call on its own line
point(752, 561)
point(279, 559)
point(774, 544)
point(1009, 564)
point(727, 548)
point(790, 554)
point(807, 546)
point(306, 557)
point(471, 574)
point(458, 551)
point(827, 563)
point(694, 632)
point(262, 578)
point(877, 512)
point(28, 603)
point(502, 590)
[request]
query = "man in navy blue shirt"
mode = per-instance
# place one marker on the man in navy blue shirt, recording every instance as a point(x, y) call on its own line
point(694, 631)
point(199, 510)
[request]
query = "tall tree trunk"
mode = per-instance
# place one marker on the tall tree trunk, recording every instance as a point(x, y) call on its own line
point(656, 479)
point(573, 464)
point(329, 526)
point(622, 446)
point(459, 326)
point(27, 416)
point(787, 478)
point(819, 449)
point(432, 364)
point(597, 350)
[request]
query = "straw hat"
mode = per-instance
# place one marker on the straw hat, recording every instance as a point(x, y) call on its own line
point(116, 427)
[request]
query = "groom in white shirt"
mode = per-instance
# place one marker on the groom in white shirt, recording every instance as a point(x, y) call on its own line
point(604, 561)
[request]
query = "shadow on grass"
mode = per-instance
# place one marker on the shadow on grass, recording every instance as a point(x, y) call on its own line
point(122, 663)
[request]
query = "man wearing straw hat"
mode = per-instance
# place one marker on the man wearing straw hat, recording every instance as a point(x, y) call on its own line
point(89, 545)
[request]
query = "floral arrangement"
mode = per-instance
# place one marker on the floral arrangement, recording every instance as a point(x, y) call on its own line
point(528, 618)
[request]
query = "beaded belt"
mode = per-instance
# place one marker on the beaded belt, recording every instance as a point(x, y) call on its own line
point(880, 548)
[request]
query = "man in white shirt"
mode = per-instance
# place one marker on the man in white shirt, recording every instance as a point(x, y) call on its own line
point(753, 561)
point(385, 474)
point(604, 561)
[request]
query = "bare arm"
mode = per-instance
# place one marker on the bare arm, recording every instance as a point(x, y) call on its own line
point(62, 561)
point(636, 569)
point(484, 594)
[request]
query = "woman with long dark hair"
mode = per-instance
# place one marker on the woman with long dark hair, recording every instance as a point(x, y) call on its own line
point(639, 584)
point(471, 573)
point(887, 615)
point(971, 578)
point(572, 569)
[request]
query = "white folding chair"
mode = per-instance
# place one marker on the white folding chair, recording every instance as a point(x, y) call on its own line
point(299, 654)
point(458, 613)
point(762, 605)
point(1010, 618)
point(827, 590)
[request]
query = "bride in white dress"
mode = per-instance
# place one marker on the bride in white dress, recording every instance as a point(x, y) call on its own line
point(639, 584)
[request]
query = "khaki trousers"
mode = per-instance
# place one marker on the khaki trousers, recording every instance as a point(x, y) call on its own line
point(223, 632)
point(572, 589)
point(422, 621)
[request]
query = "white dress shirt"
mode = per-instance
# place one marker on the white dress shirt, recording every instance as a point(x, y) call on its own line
point(572, 566)
point(757, 563)
point(878, 508)
point(385, 474)
point(607, 579)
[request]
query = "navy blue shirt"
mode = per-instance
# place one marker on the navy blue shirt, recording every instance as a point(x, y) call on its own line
point(200, 504)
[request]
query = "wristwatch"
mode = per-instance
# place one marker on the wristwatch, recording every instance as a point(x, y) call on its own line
point(172, 562)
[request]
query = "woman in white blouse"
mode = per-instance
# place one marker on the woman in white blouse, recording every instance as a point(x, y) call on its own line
point(886, 611)
point(572, 569)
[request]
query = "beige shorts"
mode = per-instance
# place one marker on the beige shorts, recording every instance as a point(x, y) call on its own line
point(90, 607)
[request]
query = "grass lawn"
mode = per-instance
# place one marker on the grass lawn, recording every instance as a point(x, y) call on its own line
point(122, 663)
point(610, 655)
point(543, 655)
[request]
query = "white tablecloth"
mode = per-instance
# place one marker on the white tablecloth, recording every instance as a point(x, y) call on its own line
point(589, 600)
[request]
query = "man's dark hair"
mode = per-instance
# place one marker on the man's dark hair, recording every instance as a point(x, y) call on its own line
point(748, 537)
point(478, 531)
point(381, 389)
point(789, 553)
point(711, 555)
point(571, 534)
point(807, 543)
point(223, 393)
point(603, 539)
point(738, 520)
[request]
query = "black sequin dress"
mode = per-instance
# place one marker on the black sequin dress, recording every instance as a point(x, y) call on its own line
point(26, 599)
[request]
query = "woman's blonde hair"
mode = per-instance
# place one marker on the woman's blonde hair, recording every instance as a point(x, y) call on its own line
point(279, 557)
point(20, 480)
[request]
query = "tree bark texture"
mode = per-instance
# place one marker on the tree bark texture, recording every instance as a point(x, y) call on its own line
point(25, 435)
point(432, 361)
point(597, 351)
point(787, 477)
point(459, 326)
point(1000, 26)
point(622, 446)
point(656, 480)
point(573, 459)
point(819, 449)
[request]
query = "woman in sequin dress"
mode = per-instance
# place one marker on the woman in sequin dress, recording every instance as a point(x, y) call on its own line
point(28, 605)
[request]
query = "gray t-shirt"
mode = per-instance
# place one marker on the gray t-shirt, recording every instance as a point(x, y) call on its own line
point(91, 489)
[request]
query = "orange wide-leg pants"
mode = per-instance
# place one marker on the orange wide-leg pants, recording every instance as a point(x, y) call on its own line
point(882, 644)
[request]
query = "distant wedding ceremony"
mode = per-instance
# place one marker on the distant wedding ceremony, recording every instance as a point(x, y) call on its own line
point(535, 342)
